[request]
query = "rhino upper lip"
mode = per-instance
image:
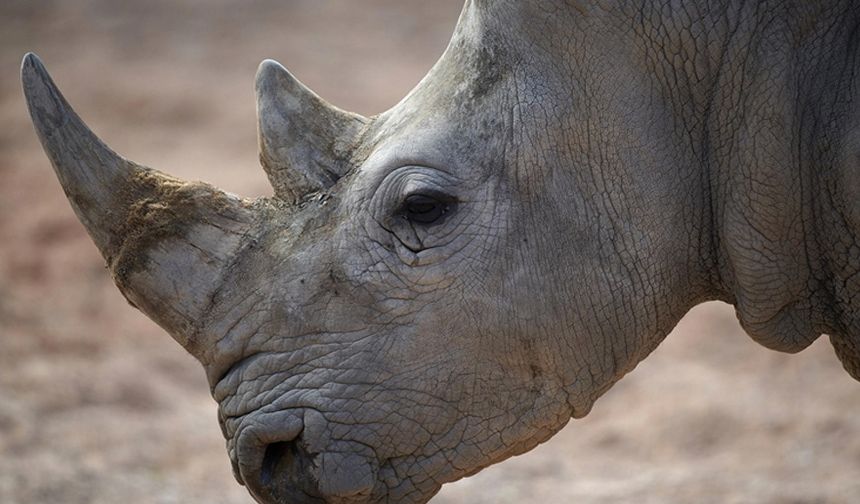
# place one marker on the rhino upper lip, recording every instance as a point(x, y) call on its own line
point(223, 386)
point(230, 370)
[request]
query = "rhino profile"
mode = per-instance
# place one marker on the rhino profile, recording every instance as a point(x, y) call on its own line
point(440, 287)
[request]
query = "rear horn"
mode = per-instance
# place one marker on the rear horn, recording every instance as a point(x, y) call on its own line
point(304, 141)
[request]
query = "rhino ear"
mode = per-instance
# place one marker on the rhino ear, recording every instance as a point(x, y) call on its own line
point(304, 141)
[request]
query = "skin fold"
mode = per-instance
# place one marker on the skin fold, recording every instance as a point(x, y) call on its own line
point(440, 287)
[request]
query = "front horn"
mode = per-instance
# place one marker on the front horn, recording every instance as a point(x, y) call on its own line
point(167, 242)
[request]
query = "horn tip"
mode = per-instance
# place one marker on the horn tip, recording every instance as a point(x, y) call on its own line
point(46, 104)
point(33, 73)
point(268, 66)
point(30, 61)
point(272, 76)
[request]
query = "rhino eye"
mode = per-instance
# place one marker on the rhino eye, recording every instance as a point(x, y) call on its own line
point(424, 208)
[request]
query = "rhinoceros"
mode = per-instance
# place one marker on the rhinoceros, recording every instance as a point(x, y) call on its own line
point(437, 288)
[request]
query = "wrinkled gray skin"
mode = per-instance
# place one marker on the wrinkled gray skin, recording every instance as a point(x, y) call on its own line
point(604, 166)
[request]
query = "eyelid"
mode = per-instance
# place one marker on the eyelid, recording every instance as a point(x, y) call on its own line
point(432, 193)
point(389, 199)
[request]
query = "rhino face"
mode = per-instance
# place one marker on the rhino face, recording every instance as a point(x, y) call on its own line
point(380, 351)
point(429, 291)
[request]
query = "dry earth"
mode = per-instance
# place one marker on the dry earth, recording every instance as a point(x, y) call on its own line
point(97, 405)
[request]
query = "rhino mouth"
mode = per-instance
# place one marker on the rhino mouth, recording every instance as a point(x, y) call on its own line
point(280, 461)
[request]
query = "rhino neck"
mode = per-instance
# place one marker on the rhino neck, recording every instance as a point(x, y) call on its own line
point(760, 103)
point(780, 145)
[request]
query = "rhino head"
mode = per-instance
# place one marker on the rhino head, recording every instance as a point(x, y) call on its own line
point(434, 289)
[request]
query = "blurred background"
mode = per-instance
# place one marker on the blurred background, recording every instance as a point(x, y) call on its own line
point(98, 405)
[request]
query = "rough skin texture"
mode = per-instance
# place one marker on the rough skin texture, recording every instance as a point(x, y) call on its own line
point(605, 166)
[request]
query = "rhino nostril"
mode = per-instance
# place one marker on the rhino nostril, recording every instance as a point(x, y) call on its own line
point(290, 473)
point(286, 473)
point(280, 463)
point(274, 453)
point(271, 458)
point(282, 458)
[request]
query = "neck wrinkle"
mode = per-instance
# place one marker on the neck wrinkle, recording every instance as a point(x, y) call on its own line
point(776, 149)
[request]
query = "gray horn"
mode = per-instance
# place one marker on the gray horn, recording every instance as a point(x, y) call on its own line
point(304, 141)
point(167, 242)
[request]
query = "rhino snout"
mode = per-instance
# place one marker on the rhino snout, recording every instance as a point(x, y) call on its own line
point(280, 460)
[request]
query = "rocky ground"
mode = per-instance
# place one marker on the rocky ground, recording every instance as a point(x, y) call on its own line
point(97, 405)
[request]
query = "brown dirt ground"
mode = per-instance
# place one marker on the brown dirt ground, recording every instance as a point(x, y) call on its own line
point(97, 405)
